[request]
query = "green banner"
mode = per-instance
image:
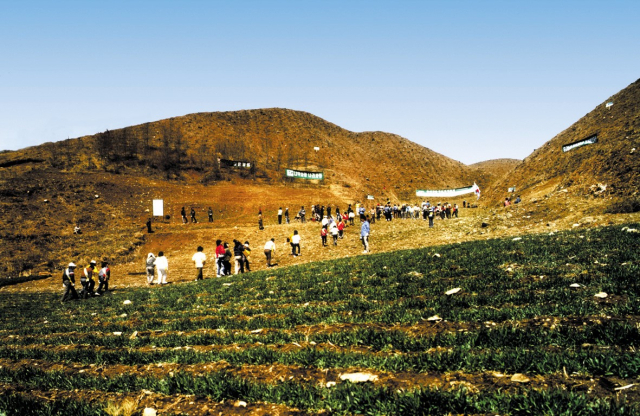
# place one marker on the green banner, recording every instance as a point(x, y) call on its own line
point(301, 174)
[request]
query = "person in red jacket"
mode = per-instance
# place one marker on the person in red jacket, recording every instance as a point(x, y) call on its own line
point(220, 252)
point(341, 226)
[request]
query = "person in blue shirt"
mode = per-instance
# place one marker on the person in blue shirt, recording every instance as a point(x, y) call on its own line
point(364, 234)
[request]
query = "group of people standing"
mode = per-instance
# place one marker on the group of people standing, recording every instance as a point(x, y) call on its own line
point(87, 279)
point(183, 213)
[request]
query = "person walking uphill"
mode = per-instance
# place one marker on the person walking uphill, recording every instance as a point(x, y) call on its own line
point(238, 250)
point(364, 234)
point(162, 265)
point(295, 243)
point(246, 252)
point(69, 282)
point(193, 216)
point(219, 259)
point(88, 284)
point(183, 213)
point(151, 267)
point(199, 259)
point(269, 251)
point(104, 274)
point(210, 213)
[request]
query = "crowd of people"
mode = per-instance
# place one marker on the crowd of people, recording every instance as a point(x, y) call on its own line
point(87, 280)
point(333, 223)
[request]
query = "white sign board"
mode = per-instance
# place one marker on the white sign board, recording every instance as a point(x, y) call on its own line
point(158, 208)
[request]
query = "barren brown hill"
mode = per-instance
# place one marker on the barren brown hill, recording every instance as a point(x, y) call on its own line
point(491, 171)
point(105, 183)
point(609, 167)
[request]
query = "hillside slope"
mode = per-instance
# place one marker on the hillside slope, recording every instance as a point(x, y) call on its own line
point(612, 161)
point(105, 183)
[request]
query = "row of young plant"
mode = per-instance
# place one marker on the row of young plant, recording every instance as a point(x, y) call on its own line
point(343, 398)
point(508, 359)
point(609, 333)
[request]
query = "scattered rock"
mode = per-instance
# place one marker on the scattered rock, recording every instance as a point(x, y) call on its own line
point(601, 295)
point(330, 384)
point(134, 335)
point(434, 318)
point(517, 239)
point(127, 302)
point(453, 291)
point(484, 225)
point(358, 377)
point(148, 411)
point(240, 403)
point(576, 285)
point(117, 334)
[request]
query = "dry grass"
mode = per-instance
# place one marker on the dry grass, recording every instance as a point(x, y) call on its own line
point(125, 408)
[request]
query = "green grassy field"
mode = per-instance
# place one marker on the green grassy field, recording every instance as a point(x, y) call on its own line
point(515, 339)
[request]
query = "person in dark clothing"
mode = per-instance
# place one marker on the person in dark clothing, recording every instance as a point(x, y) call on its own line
point(210, 213)
point(227, 259)
point(237, 254)
point(286, 215)
point(149, 230)
point(69, 282)
point(260, 223)
point(193, 215)
point(302, 214)
point(86, 279)
point(184, 215)
point(103, 277)
point(329, 211)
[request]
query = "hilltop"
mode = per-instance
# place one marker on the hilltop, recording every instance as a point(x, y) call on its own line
point(608, 168)
point(105, 183)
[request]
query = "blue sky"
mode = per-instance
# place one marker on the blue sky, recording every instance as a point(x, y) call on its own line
point(473, 80)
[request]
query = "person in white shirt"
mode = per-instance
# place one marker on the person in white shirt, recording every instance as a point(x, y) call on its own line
point(295, 243)
point(280, 215)
point(325, 221)
point(199, 258)
point(162, 265)
point(270, 250)
point(333, 229)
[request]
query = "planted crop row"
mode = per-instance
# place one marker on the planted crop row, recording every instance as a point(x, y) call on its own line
point(341, 399)
point(509, 360)
point(609, 333)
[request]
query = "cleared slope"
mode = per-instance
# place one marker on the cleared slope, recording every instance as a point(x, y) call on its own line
point(612, 161)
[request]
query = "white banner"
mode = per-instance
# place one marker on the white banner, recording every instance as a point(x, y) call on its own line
point(589, 140)
point(449, 192)
point(158, 208)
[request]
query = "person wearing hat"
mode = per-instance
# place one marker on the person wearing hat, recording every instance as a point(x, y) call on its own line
point(69, 282)
point(151, 267)
point(103, 277)
point(88, 284)
point(246, 252)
